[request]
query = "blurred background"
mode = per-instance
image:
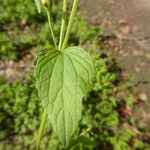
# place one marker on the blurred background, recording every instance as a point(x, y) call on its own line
point(116, 113)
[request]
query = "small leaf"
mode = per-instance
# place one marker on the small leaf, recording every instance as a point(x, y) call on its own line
point(62, 79)
point(85, 140)
point(81, 139)
point(38, 5)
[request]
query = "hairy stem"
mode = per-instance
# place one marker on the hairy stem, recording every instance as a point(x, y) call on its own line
point(50, 27)
point(41, 130)
point(63, 23)
point(70, 24)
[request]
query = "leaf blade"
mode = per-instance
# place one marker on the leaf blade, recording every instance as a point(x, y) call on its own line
point(38, 5)
point(62, 81)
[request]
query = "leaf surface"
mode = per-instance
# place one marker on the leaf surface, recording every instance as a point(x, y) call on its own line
point(62, 79)
point(38, 5)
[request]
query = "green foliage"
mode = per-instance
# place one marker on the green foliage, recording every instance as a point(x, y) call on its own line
point(62, 79)
point(18, 28)
point(14, 11)
point(38, 5)
point(140, 145)
point(19, 113)
point(121, 140)
point(130, 100)
point(7, 47)
point(85, 32)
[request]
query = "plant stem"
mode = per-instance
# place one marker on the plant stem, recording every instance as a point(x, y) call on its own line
point(50, 27)
point(63, 23)
point(70, 24)
point(41, 129)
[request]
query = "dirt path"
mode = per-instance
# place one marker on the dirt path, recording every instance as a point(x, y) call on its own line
point(137, 13)
point(129, 21)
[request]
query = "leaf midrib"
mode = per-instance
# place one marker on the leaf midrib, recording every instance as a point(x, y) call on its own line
point(62, 54)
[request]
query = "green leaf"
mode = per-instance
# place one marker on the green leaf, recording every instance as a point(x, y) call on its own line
point(80, 139)
point(38, 5)
point(62, 79)
point(85, 140)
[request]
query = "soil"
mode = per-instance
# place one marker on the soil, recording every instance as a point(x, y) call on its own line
point(128, 22)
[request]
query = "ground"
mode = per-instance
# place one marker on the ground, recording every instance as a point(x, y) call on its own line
point(127, 28)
